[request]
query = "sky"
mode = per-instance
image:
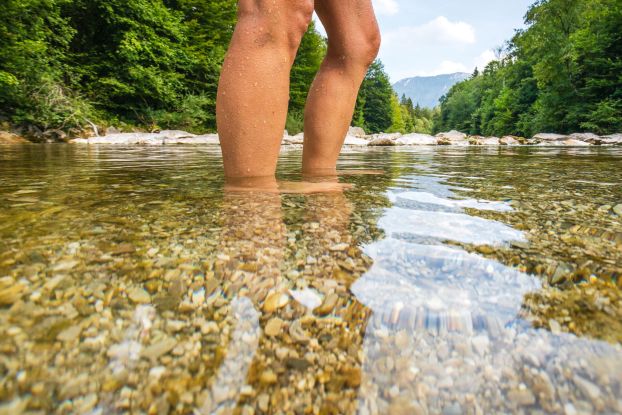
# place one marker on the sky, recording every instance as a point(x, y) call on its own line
point(432, 37)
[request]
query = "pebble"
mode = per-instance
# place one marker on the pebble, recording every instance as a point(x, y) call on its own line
point(454, 409)
point(138, 295)
point(159, 349)
point(64, 266)
point(522, 397)
point(11, 294)
point(587, 388)
point(70, 334)
point(275, 301)
point(328, 305)
point(556, 328)
point(617, 209)
point(480, 344)
point(273, 327)
point(268, 377)
point(263, 402)
point(339, 247)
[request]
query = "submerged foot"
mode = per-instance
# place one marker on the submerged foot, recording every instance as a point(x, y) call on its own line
point(271, 185)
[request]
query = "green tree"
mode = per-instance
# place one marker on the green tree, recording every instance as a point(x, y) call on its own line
point(34, 39)
point(375, 102)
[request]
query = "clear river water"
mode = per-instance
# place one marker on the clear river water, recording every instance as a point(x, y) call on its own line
point(458, 281)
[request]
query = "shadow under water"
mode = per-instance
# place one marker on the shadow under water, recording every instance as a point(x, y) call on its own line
point(131, 283)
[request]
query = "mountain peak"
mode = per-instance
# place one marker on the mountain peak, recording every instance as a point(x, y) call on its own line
point(428, 90)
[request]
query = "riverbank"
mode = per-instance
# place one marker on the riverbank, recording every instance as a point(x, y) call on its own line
point(356, 138)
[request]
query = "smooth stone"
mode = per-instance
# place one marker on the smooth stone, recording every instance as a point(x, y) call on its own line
point(159, 349)
point(339, 247)
point(139, 295)
point(587, 388)
point(416, 140)
point(10, 138)
point(64, 266)
point(614, 139)
point(522, 397)
point(297, 364)
point(454, 409)
point(12, 294)
point(275, 301)
point(15, 407)
point(357, 132)
point(549, 137)
point(329, 304)
point(452, 138)
point(509, 140)
point(273, 327)
point(618, 209)
point(381, 142)
point(586, 137)
point(70, 334)
point(268, 377)
point(354, 141)
point(574, 142)
point(307, 297)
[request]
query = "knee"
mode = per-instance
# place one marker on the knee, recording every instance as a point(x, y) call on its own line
point(281, 23)
point(300, 15)
point(365, 46)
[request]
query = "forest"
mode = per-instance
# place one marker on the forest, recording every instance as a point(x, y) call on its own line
point(69, 65)
point(562, 73)
point(147, 64)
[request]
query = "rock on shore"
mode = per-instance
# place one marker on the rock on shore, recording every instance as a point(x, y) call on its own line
point(10, 138)
point(355, 137)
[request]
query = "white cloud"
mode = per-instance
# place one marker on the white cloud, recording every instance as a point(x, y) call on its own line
point(445, 67)
point(437, 31)
point(484, 59)
point(385, 7)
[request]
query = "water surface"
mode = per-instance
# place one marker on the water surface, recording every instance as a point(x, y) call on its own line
point(468, 281)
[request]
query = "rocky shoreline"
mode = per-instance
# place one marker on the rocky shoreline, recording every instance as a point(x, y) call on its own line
point(356, 137)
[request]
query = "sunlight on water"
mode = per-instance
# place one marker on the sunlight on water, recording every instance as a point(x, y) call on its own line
point(130, 282)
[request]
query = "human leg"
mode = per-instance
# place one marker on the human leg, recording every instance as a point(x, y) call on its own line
point(353, 43)
point(254, 85)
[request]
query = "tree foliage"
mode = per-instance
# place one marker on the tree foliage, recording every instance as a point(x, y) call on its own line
point(561, 73)
point(148, 63)
point(378, 109)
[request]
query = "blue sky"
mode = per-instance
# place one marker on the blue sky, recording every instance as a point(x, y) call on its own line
point(431, 37)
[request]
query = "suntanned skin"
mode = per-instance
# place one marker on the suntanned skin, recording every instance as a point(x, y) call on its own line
point(253, 93)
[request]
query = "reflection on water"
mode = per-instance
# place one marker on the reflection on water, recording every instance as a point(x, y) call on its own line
point(131, 283)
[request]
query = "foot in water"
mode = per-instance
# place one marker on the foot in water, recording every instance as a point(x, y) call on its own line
point(271, 185)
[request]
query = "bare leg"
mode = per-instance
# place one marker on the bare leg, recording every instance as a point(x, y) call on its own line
point(353, 42)
point(254, 86)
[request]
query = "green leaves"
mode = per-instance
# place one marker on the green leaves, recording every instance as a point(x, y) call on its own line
point(562, 74)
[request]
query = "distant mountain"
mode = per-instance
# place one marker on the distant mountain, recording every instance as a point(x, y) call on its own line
point(428, 90)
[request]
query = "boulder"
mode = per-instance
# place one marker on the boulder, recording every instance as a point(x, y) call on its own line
point(416, 140)
point(357, 132)
point(547, 137)
point(112, 130)
point(355, 141)
point(510, 140)
point(478, 140)
point(10, 138)
point(586, 137)
point(197, 139)
point(175, 134)
point(54, 135)
point(452, 138)
point(489, 141)
point(381, 142)
point(614, 139)
point(573, 142)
